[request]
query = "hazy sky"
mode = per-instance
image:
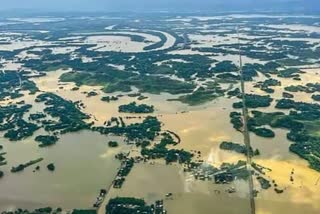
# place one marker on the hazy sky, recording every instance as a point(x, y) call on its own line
point(115, 5)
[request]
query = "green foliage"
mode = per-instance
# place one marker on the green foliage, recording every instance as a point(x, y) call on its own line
point(114, 81)
point(109, 98)
point(235, 119)
point(302, 123)
point(201, 96)
point(46, 140)
point(134, 108)
point(37, 116)
point(264, 183)
point(265, 85)
point(51, 167)
point(18, 128)
point(163, 40)
point(225, 66)
point(160, 150)
point(263, 132)
point(289, 73)
point(70, 118)
point(316, 97)
point(21, 167)
point(255, 101)
point(241, 149)
point(147, 130)
point(127, 205)
point(12, 83)
point(113, 144)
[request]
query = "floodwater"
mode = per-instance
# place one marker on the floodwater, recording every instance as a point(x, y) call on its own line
point(153, 182)
point(124, 44)
point(84, 164)
point(203, 128)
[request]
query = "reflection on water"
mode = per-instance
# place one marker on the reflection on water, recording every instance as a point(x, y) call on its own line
point(84, 164)
point(153, 182)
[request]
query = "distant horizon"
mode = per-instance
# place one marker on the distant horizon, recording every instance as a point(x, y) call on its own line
point(32, 12)
point(86, 6)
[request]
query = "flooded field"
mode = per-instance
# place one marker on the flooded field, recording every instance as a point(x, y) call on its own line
point(84, 163)
point(187, 75)
point(203, 129)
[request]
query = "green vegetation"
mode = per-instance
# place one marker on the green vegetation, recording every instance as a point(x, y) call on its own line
point(12, 83)
point(289, 73)
point(201, 95)
point(264, 183)
point(51, 167)
point(236, 120)
point(248, 72)
point(70, 118)
point(24, 130)
point(254, 123)
point(44, 210)
point(265, 85)
point(2, 158)
point(303, 125)
point(225, 66)
point(21, 167)
point(287, 95)
point(122, 81)
point(126, 166)
point(147, 130)
point(142, 97)
point(193, 65)
point(230, 172)
point(308, 88)
point(37, 116)
point(234, 93)
point(262, 119)
point(134, 108)
point(160, 150)
point(46, 140)
point(228, 78)
point(241, 149)
point(133, 38)
point(163, 40)
point(296, 88)
point(263, 132)
point(255, 101)
point(11, 121)
point(127, 206)
point(316, 97)
point(92, 94)
point(109, 98)
point(167, 71)
point(143, 144)
point(227, 172)
point(113, 144)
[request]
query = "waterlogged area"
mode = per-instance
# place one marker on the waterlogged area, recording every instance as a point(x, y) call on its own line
point(84, 164)
point(151, 109)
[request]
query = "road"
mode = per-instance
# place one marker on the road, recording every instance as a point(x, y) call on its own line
point(246, 135)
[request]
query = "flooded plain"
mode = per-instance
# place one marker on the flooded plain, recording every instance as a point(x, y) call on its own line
point(85, 163)
point(203, 128)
